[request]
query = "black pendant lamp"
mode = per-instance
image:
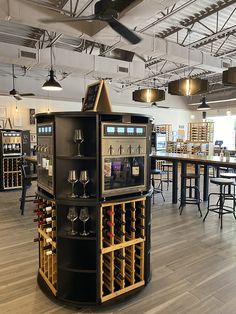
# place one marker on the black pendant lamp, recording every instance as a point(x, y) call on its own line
point(203, 106)
point(51, 84)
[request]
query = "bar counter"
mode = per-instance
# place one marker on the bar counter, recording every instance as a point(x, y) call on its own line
point(184, 159)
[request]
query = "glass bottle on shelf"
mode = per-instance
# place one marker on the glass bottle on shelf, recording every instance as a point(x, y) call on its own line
point(135, 168)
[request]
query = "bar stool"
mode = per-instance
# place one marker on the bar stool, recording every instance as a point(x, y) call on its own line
point(193, 197)
point(27, 178)
point(157, 189)
point(230, 175)
point(220, 208)
point(167, 168)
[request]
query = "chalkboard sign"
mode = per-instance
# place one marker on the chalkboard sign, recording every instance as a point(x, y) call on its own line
point(92, 96)
point(96, 98)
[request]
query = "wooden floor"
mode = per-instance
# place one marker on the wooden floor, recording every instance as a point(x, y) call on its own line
point(193, 264)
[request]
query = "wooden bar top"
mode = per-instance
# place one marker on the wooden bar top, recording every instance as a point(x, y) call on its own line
point(210, 160)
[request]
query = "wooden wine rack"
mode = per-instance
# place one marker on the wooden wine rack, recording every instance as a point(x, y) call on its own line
point(48, 263)
point(122, 255)
point(165, 129)
point(12, 177)
point(201, 132)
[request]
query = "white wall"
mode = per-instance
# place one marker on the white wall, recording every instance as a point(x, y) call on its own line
point(121, 102)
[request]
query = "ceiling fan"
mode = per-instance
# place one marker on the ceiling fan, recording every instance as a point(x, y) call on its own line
point(104, 10)
point(14, 92)
point(154, 104)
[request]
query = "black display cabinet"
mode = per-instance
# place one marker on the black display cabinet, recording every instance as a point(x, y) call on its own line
point(113, 259)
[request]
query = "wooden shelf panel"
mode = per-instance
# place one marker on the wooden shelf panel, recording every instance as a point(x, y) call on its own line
point(77, 157)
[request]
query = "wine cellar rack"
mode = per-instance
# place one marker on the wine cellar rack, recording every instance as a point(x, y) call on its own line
point(164, 129)
point(46, 218)
point(108, 254)
point(11, 173)
point(122, 247)
point(201, 132)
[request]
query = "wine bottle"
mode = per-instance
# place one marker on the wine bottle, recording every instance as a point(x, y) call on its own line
point(139, 235)
point(50, 252)
point(49, 219)
point(130, 228)
point(47, 247)
point(119, 232)
point(140, 216)
point(130, 208)
point(119, 210)
point(130, 219)
point(118, 274)
point(49, 240)
point(107, 222)
point(119, 221)
point(107, 233)
point(50, 229)
point(109, 212)
point(135, 168)
point(119, 255)
point(139, 226)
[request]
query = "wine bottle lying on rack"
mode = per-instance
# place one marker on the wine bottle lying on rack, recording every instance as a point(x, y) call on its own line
point(50, 252)
point(107, 222)
point(107, 233)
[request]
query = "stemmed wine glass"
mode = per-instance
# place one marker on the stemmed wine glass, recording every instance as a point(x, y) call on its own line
point(72, 178)
point(78, 139)
point(72, 216)
point(84, 216)
point(84, 179)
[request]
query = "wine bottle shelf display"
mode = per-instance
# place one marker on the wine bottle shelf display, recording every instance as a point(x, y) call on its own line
point(46, 218)
point(122, 247)
point(12, 177)
point(95, 241)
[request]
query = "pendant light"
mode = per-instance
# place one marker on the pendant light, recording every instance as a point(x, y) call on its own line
point(203, 106)
point(149, 94)
point(51, 84)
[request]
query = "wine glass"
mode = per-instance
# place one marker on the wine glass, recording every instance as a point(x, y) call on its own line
point(84, 179)
point(72, 216)
point(72, 178)
point(78, 139)
point(84, 216)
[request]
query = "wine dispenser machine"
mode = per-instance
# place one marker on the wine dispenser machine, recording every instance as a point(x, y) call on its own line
point(124, 158)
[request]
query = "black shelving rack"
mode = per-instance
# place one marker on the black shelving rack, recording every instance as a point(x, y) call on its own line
point(84, 269)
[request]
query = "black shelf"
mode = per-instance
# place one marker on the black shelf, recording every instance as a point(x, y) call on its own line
point(65, 235)
point(77, 201)
point(77, 157)
point(67, 267)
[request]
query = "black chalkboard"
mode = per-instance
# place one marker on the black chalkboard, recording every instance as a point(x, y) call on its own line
point(92, 95)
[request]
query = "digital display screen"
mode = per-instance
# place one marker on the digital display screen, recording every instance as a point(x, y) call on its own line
point(40, 130)
point(139, 130)
point(110, 129)
point(130, 130)
point(49, 129)
point(46, 129)
point(120, 130)
point(43, 130)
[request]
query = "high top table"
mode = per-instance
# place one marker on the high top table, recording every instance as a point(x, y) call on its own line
point(198, 161)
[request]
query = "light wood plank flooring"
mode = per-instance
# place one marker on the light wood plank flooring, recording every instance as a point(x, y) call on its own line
point(193, 264)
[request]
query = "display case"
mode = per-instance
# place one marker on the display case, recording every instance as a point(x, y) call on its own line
point(93, 246)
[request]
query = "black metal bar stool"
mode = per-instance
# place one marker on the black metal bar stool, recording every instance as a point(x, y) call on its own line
point(230, 175)
point(27, 178)
point(193, 197)
point(157, 189)
point(167, 168)
point(220, 208)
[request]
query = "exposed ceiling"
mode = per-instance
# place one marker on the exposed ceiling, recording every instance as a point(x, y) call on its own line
point(180, 38)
